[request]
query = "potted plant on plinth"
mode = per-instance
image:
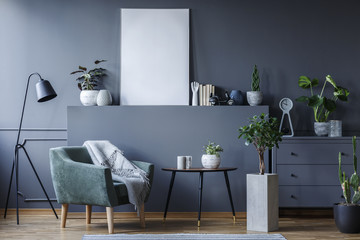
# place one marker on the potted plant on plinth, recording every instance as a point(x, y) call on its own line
point(321, 105)
point(262, 191)
point(347, 215)
point(212, 157)
point(255, 96)
point(87, 81)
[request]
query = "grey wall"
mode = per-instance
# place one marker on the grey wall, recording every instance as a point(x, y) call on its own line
point(284, 38)
point(159, 134)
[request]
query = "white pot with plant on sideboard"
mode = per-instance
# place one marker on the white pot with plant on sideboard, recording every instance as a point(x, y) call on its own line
point(262, 190)
point(87, 81)
point(255, 96)
point(212, 157)
point(321, 105)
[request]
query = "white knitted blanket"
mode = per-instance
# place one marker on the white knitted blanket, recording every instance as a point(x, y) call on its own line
point(122, 170)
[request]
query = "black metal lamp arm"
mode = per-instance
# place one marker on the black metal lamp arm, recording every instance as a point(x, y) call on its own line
point(23, 108)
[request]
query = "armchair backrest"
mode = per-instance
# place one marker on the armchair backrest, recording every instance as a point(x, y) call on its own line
point(74, 153)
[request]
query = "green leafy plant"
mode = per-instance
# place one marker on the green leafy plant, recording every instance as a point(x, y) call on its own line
point(354, 179)
point(263, 132)
point(321, 105)
point(88, 79)
point(213, 149)
point(255, 83)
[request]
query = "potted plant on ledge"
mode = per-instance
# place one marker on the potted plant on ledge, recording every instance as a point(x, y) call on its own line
point(321, 105)
point(255, 96)
point(347, 215)
point(262, 193)
point(212, 157)
point(87, 81)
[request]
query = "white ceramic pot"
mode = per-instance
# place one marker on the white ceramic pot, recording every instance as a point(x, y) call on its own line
point(104, 98)
point(89, 97)
point(210, 161)
point(254, 98)
point(321, 128)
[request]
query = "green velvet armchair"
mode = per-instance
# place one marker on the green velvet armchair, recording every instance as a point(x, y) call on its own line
point(77, 180)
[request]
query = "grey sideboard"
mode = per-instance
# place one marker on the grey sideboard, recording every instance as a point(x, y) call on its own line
point(308, 170)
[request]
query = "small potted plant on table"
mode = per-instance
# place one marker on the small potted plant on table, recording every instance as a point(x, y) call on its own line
point(262, 193)
point(212, 157)
point(87, 81)
point(347, 215)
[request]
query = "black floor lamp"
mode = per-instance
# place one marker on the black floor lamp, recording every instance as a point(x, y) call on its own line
point(44, 92)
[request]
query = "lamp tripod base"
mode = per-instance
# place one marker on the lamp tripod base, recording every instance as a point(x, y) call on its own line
point(15, 167)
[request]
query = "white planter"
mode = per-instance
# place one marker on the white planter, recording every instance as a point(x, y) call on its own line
point(262, 202)
point(88, 97)
point(210, 161)
point(104, 98)
point(254, 98)
point(321, 128)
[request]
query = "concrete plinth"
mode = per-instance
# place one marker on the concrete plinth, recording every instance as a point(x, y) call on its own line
point(262, 202)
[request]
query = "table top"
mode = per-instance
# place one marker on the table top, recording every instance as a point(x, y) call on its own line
point(222, 169)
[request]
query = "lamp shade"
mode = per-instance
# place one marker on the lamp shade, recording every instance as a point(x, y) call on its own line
point(44, 91)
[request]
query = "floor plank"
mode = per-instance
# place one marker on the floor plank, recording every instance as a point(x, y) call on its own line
point(48, 227)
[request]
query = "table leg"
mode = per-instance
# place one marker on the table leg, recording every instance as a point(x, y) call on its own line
point(229, 192)
point(169, 194)
point(200, 195)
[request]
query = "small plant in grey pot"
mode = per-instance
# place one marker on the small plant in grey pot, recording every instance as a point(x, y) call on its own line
point(321, 105)
point(347, 214)
point(212, 157)
point(255, 96)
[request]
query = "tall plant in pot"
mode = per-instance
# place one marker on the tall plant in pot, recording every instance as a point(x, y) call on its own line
point(321, 105)
point(262, 190)
point(255, 96)
point(87, 81)
point(263, 133)
point(211, 158)
point(347, 214)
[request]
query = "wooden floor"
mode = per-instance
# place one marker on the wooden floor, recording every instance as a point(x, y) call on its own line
point(46, 226)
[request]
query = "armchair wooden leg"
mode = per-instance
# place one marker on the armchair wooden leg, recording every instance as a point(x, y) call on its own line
point(64, 210)
point(88, 214)
point(110, 219)
point(142, 215)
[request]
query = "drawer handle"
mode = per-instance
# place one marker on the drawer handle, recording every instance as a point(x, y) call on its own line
point(342, 196)
point(293, 197)
point(293, 154)
point(293, 175)
point(342, 154)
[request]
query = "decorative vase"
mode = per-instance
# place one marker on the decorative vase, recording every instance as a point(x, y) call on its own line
point(237, 97)
point(335, 129)
point(347, 218)
point(262, 205)
point(104, 98)
point(321, 128)
point(88, 97)
point(254, 98)
point(210, 161)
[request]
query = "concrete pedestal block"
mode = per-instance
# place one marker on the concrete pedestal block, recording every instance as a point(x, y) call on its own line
point(262, 202)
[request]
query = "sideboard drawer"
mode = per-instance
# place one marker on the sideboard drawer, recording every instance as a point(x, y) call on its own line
point(319, 153)
point(309, 196)
point(311, 174)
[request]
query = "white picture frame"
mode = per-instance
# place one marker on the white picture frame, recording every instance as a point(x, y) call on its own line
point(154, 67)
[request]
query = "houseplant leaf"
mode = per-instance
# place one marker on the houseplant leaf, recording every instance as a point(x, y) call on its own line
point(329, 104)
point(331, 81)
point(304, 82)
point(315, 101)
point(302, 99)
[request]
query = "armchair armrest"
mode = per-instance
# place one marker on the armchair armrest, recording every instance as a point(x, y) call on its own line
point(149, 169)
point(81, 183)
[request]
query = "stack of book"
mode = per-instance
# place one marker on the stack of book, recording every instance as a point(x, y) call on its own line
point(205, 90)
